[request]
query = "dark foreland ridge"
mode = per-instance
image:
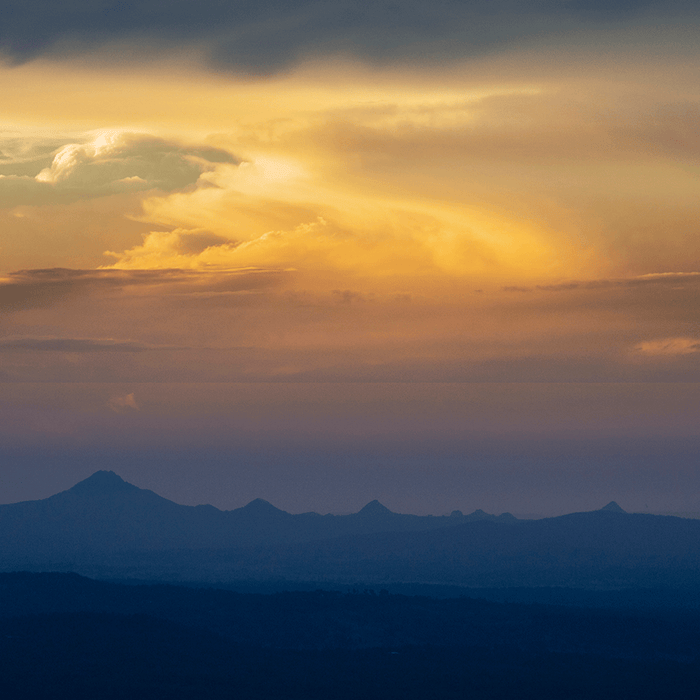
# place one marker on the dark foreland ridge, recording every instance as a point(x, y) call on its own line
point(71, 638)
point(106, 527)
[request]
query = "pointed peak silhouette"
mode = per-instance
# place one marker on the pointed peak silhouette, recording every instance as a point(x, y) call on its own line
point(375, 508)
point(260, 505)
point(507, 516)
point(612, 507)
point(101, 483)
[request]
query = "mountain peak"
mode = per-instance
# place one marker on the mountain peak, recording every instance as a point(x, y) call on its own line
point(260, 505)
point(375, 508)
point(101, 483)
point(612, 507)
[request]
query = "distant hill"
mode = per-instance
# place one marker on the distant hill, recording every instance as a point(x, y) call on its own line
point(612, 507)
point(598, 549)
point(105, 527)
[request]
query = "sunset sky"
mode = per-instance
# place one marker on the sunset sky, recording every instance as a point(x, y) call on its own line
point(442, 254)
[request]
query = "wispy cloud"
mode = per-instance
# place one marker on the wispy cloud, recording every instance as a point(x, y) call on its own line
point(41, 288)
point(675, 279)
point(669, 346)
point(69, 345)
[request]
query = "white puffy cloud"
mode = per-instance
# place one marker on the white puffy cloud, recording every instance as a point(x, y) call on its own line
point(115, 160)
point(112, 162)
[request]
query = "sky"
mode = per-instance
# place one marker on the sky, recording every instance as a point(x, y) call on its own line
point(445, 255)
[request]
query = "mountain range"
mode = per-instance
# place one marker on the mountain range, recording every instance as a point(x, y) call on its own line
point(105, 512)
point(108, 528)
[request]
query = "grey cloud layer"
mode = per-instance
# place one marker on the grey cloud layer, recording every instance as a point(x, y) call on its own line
point(69, 345)
point(42, 288)
point(264, 36)
point(675, 280)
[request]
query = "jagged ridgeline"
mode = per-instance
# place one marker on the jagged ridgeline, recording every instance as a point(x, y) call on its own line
point(104, 526)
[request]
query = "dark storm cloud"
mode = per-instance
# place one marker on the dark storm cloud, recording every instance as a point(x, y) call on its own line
point(264, 36)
